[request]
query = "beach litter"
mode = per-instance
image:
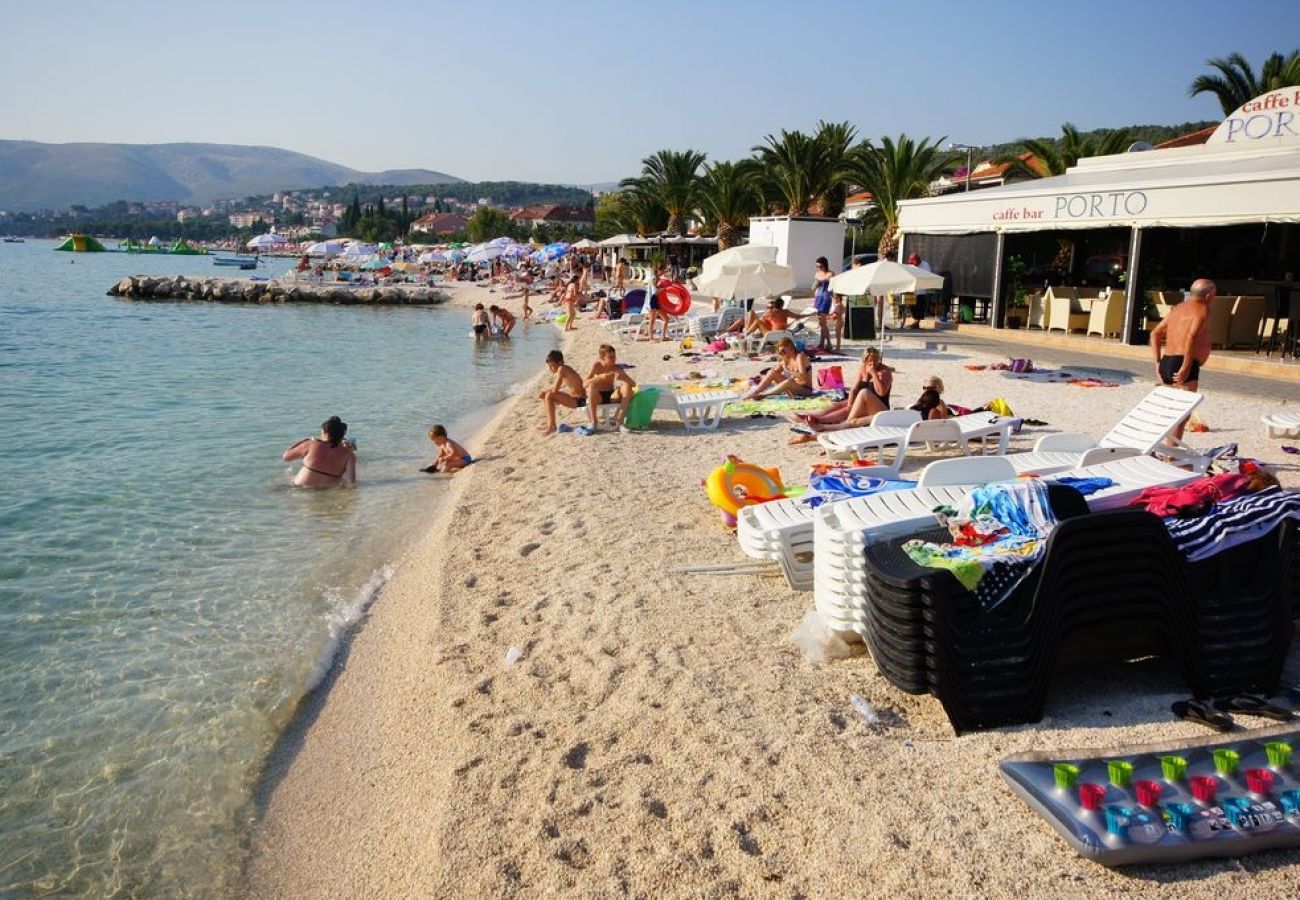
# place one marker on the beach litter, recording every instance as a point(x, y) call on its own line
point(513, 655)
point(818, 641)
point(864, 709)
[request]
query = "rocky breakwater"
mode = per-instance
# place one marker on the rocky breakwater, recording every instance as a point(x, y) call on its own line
point(242, 290)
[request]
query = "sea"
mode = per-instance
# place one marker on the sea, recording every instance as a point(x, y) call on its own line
point(167, 596)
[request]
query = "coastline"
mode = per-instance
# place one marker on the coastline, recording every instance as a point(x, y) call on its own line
point(661, 735)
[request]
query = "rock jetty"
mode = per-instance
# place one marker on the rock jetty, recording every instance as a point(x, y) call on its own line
point(242, 290)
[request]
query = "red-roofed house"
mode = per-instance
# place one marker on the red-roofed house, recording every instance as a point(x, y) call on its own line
point(1191, 139)
point(554, 214)
point(985, 174)
point(439, 223)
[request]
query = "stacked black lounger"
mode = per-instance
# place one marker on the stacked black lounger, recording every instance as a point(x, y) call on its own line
point(1109, 585)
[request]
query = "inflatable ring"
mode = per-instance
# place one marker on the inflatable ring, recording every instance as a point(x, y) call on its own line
point(735, 484)
point(674, 299)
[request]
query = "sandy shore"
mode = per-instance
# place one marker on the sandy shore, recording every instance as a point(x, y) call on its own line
point(661, 735)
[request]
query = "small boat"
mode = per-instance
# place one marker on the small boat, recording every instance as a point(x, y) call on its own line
point(14, 240)
point(243, 262)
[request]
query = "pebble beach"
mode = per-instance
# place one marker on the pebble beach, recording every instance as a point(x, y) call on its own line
point(540, 703)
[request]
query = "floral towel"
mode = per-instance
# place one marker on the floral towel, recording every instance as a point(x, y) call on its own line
point(779, 404)
point(998, 533)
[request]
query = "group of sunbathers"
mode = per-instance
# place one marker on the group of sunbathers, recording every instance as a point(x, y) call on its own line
point(606, 382)
point(869, 395)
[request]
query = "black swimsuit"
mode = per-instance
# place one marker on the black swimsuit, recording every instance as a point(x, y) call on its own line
point(865, 384)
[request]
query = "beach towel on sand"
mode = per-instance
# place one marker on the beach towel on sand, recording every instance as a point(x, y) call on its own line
point(778, 404)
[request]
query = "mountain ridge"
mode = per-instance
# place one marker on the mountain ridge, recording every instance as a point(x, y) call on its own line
point(36, 175)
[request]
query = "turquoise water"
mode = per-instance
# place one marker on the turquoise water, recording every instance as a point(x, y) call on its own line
point(166, 595)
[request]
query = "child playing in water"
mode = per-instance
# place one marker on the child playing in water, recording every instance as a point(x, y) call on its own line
point(479, 319)
point(452, 457)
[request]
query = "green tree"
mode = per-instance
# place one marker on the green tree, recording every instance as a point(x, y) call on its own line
point(488, 222)
point(729, 194)
point(893, 172)
point(1236, 83)
point(800, 170)
point(1050, 157)
point(670, 178)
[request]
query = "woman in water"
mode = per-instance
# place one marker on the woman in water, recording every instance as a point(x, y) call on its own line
point(328, 460)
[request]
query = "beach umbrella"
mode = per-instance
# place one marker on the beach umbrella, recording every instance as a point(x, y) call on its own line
point(267, 241)
point(621, 240)
point(586, 244)
point(375, 262)
point(453, 254)
point(429, 256)
point(357, 250)
point(742, 280)
point(484, 253)
point(516, 251)
point(551, 252)
point(765, 253)
point(501, 242)
point(881, 278)
point(324, 248)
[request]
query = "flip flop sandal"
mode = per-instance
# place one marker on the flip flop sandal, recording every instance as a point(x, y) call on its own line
point(1202, 714)
point(1289, 449)
point(1254, 705)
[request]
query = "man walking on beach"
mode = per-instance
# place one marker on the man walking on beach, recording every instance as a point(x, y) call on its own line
point(1185, 332)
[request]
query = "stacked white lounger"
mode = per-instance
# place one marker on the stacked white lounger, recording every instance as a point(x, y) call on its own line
point(842, 530)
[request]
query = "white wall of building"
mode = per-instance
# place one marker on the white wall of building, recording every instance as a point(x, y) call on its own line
point(799, 241)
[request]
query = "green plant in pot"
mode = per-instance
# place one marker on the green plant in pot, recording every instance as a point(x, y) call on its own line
point(1017, 308)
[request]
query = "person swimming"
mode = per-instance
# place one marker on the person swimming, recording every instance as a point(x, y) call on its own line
point(327, 461)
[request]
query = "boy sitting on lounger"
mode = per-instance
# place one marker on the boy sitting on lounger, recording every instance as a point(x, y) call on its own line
point(452, 457)
point(567, 390)
point(607, 382)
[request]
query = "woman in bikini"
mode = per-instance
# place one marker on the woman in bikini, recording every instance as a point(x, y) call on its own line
point(791, 376)
point(326, 461)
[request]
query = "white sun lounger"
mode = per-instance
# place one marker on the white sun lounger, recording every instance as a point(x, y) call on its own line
point(698, 411)
point(962, 429)
point(1282, 425)
point(841, 531)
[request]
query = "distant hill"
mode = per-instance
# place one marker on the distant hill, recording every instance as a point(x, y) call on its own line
point(34, 175)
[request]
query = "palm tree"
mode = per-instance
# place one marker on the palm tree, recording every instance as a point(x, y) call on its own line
point(632, 210)
point(800, 170)
point(1236, 82)
point(729, 195)
point(894, 172)
point(671, 177)
point(1048, 157)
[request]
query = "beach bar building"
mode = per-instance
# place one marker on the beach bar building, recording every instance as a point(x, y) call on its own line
point(1134, 228)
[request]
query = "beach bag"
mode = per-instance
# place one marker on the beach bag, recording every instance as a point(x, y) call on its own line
point(1021, 366)
point(642, 408)
point(830, 378)
point(1000, 406)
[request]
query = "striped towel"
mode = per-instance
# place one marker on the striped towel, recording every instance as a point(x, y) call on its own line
point(1232, 522)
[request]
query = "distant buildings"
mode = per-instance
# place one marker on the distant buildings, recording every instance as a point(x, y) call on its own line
point(246, 219)
point(554, 214)
point(439, 223)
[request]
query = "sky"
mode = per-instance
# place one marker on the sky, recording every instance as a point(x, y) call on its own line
point(580, 93)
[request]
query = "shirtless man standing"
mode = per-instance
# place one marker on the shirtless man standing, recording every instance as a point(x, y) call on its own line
point(1185, 333)
point(567, 390)
point(607, 382)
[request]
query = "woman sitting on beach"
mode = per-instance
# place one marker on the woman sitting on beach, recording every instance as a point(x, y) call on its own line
point(791, 376)
point(326, 461)
point(931, 405)
point(868, 396)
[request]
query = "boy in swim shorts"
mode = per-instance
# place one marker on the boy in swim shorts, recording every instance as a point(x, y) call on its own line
point(452, 457)
point(479, 320)
point(607, 382)
point(567, 390)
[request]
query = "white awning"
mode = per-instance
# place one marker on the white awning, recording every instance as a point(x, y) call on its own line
point(1183, 187)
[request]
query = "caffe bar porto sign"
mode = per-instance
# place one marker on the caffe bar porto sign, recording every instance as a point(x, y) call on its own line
point(1269, 119)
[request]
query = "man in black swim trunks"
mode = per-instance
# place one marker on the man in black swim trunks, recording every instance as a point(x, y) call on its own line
point(1186, 332)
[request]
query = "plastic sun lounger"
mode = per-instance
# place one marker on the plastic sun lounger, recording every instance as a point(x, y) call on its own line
point(969, 428)
point(698, 411)
point(842, 530)
point(1282, 425)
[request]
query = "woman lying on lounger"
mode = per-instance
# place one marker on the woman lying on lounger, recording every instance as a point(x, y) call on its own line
point(791, 376)
point(868, 396)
